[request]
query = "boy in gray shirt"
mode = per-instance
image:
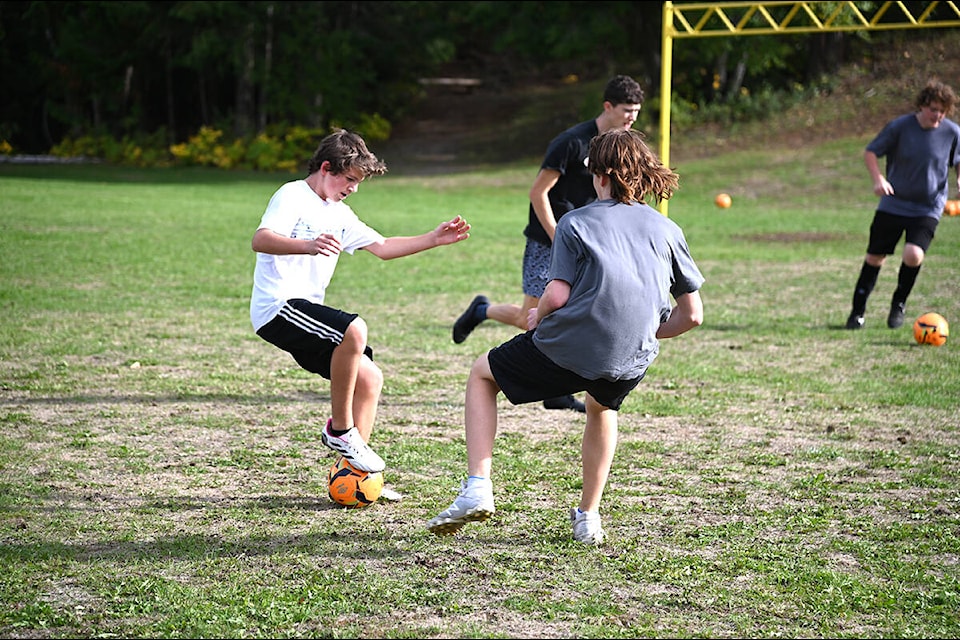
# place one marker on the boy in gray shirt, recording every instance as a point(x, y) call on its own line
point(921, 148)
point(615, 264)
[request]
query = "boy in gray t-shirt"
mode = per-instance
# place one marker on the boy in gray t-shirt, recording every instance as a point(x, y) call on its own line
point(615, 264)
point(921, 148)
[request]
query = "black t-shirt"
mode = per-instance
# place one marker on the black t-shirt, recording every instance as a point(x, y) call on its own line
point(567, 153)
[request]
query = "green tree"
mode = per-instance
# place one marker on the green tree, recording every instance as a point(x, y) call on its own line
point(166, 69)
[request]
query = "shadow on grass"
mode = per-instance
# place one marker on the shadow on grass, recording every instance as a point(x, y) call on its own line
point(175, 398)
point(356, 543)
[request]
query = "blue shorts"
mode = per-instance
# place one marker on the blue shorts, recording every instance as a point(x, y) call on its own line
point(536, 266)
point(309, 332)
point(525, 374)
point(886, 229)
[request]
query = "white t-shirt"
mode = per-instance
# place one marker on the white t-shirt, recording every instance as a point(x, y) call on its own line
point(296, 211)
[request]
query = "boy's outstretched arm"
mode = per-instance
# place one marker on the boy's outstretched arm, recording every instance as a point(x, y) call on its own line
point(398, 246)
point(685, 315)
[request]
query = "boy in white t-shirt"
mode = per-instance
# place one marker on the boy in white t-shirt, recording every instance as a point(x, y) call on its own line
point(304, 229)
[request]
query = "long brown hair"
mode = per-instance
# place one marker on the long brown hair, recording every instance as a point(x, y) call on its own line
point(634, 170)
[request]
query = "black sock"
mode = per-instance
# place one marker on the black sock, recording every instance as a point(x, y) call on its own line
point(905, 281)
point(865, 284)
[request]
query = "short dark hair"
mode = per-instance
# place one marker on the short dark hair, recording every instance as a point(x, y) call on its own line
point(345, 150)
point(623, 90)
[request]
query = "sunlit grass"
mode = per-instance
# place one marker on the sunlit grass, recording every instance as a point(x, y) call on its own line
point(161, 473)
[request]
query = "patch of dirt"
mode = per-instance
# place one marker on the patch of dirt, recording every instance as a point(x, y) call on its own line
point(454, 130)
point(791, 238)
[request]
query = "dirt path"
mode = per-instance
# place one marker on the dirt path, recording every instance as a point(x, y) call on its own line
point(455, 130)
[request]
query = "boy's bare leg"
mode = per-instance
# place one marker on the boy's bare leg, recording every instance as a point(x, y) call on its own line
point(474, 503)
point(480, 415)
point(344, 368)
point(513, 314)
point(347, 366)
point(597, 449)
point(366, 397)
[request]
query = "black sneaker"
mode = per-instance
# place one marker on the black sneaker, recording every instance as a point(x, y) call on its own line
point(895, 319)
point(565, 402)
point(855, 321)
point(467, 321)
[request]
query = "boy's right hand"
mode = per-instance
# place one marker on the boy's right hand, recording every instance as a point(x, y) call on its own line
point(325, 244)
point(532, 319)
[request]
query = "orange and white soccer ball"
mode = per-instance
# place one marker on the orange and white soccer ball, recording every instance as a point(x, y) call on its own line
point(931, 328)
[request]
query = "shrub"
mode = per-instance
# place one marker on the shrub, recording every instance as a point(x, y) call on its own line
point(281, 148)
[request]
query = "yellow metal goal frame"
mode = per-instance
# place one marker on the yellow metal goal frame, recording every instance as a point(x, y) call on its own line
point(716, 19)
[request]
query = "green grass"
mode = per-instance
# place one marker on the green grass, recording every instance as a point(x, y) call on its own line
point(161, 474)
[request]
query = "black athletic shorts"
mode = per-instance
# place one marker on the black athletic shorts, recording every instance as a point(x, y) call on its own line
point(525, 374)
point(309, 332)
point(886, 229)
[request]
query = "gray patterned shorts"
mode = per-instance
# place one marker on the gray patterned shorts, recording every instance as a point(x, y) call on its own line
point(536, 266)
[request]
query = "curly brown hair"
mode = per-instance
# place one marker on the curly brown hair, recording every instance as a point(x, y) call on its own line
point(635, 171)
point(345, 150)
point(937, 91)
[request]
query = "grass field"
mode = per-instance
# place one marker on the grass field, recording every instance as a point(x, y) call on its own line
point(161, 473)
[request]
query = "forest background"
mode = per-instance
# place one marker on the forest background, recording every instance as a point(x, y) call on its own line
point(253, 84)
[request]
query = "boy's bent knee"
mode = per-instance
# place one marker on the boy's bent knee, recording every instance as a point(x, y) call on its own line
point(357, 328)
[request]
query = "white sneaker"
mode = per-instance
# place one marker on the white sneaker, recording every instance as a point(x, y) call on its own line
point(586, 526)
point(473, 504)
point(352, 447)
point(390, 495)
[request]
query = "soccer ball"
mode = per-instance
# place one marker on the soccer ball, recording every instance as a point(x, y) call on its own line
point(352, 487)
point(931, 328)
point(723, 200)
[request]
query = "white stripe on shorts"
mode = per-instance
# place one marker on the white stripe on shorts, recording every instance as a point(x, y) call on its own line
point(310, 325)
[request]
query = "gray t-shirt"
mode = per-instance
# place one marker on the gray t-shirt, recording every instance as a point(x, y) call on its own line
point(623, 262)
point(918, 165)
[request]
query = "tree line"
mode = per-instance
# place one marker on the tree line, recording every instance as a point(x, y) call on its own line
point(167, 69)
